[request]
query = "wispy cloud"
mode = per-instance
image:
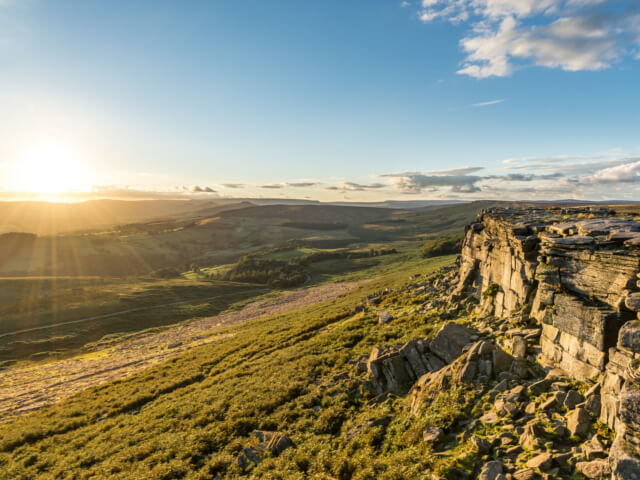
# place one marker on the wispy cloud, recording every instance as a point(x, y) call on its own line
point(301, 184)
point(486, 104)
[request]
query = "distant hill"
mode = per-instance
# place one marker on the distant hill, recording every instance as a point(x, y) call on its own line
point(45, 218)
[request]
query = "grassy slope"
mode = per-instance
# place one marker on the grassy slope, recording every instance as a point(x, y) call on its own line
point(28, 303)
point(190, 417)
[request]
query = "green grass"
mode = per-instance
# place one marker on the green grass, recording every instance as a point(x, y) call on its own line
point(190, 417)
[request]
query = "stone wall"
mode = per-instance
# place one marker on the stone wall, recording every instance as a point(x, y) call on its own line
point(576, 271)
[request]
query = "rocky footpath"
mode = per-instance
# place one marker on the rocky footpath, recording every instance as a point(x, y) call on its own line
point(544, 337)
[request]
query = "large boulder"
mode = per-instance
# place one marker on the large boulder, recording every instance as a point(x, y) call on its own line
point(395, 368)
point(450, 340)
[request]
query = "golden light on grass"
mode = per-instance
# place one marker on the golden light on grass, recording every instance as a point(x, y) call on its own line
point(50, 168)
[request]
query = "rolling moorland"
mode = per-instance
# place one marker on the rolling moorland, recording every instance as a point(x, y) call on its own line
point(328, 383)
point(43, 315)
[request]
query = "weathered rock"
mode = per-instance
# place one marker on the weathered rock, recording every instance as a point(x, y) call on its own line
point(432, 434)
point(490, 470)
point(594, 449)
point(396, 368)
point(629, 336)
point(572, 399)
point(450, 340)
point(529, 439)
point(384, 317)
point(540, 386)
point(525, 474)
point(479, 363)
point(481, 444)
point(578, 422)
point(624, 464)
point(594, 469)
point(576, 270)
point(543, 462)
point(519, 347)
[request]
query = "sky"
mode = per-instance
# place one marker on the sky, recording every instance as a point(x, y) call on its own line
point(334, 100)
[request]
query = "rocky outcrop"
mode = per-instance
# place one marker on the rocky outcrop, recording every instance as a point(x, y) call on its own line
point(479, 364)
point(498, 252)
point(576, 271)
point(396, 368)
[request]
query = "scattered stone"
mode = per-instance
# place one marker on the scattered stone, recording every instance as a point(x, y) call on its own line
point(542, 462)
point(525, 474)
point(529, 438)
point(481, 444)
point(490, 418)
point(594, 449)
point(432, 434)
point(539, 387)
point(490, 470)
point(554, 401)
point(384, 317)
point(519, 347)
point(594, 469)
point(578, 422)
point(272, 442)
point(572, 399)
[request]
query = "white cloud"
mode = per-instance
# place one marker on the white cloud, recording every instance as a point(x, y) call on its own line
point(568, 34)
point(625, 173)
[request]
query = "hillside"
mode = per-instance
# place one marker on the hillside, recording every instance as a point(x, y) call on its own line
point(216, 235)
point(47, 218)
point(433, 369)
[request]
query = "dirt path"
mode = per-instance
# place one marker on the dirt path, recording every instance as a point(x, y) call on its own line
point(25, 388)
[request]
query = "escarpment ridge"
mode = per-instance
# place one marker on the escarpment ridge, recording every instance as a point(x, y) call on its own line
point(576, 272)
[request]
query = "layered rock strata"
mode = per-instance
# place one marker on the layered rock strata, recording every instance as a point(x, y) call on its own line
point(576, 271)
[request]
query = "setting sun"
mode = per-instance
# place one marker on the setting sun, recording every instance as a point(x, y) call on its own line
point(50, 168)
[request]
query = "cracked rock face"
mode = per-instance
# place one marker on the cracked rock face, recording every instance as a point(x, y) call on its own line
point(576, 270)
point(396, 368)
point(480, 363)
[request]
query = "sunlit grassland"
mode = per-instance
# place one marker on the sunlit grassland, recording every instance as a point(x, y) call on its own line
point(190, 417)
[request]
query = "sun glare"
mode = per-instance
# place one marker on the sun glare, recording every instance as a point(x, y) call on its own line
point(50, 168)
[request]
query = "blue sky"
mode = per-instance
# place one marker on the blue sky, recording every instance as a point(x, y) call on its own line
point(333, 100)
